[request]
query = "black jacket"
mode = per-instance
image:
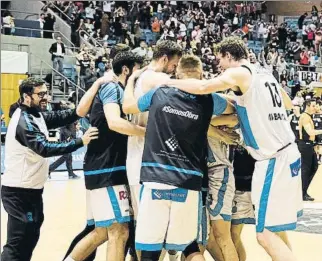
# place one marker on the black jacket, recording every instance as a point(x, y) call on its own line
point(53, 49)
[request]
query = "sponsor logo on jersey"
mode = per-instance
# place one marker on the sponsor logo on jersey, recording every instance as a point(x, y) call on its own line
point(172, 143)
point(123, 195)
point(277, 116)
point(186, 114)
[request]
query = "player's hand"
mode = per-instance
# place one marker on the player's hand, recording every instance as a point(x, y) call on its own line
point(135, 75)
point(228, 136)
point(90, 134)
point(108, 77)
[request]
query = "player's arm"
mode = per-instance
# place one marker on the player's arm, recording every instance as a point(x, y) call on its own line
point(112, 98)
point(306, 123)
point(230, 121)
point(286, 99)
point(233, 78)
point(87, 100)
point(229, 138)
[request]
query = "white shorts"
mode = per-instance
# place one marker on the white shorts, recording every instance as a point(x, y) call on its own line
point(106, 206)
point(276, 191)
point(135, 199)
point(243, 210)
point(221, 193)
point(167, 219)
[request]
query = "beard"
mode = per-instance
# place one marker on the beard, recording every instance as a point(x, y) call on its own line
point(41, 104)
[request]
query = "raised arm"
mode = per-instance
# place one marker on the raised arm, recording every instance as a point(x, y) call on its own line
point(233, 78)
point(87, 100)
point(111, 98)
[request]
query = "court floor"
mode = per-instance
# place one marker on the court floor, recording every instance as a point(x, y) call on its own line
point(64, 206)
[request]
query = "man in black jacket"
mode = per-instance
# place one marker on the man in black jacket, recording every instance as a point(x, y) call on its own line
point(26, 166)
point(58, 51)
point(67, 133)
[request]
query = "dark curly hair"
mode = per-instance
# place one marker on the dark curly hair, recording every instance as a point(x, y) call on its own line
point(168, 48)
point(127, 59)
point(27, 86)
point(233, 45)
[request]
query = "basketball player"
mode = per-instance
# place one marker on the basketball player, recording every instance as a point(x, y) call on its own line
point(317, 119)
point(242, 211)
point(90, 226)
point(268, 137)
point(104, 166)
point(173, 163)
point(165, 59)
point(306, 146)
point(294, 121)
point(220, 195)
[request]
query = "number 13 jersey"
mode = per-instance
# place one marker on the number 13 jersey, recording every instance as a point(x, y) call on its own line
point(262, 116)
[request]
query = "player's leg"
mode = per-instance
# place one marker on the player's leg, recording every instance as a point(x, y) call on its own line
point(284, 237)
point(117, 227)
point(221, 193)
point(117, 237)
point(152, 223)
point(88, 229)
point(242, 213)
point(275, 212)
point(236, 231)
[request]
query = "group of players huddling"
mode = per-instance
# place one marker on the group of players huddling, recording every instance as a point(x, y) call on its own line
point(159, 173)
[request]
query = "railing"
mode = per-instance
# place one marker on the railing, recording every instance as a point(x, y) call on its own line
point(60, 11)
point(20, 12)
point(56, 33)
point(96, 43)
point(63, 77)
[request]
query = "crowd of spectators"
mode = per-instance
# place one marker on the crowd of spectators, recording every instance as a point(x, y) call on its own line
point(283, 48)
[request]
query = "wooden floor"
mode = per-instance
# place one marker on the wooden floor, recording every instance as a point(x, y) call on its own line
point(64, 206)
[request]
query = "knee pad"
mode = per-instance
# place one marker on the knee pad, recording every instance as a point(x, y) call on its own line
point(191, 249)
point(150, 255)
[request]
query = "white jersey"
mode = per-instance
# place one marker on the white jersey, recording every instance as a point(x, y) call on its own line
point(135, 144)
point(262, 116)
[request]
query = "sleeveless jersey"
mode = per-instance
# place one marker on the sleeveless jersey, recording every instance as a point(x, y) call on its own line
point(175, 151)
point(317, 120)
point(104, 162)
point(262, 116)
point(136, 144)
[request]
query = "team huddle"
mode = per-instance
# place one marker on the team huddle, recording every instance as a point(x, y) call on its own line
point(171, 152)
point(160, 173)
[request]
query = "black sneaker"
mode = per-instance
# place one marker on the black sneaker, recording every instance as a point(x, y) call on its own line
point(73, 176)
point(307, 198)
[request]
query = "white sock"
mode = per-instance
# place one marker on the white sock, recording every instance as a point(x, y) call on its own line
point(69, 259)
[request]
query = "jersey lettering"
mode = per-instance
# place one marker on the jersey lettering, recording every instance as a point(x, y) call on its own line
point(277, 101)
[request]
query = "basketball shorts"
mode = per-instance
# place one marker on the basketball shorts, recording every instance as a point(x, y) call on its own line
point(276, 191)
point(135, 199)
point(221, 193)
point(167, 219)
point(243, 210)
point(106, 206)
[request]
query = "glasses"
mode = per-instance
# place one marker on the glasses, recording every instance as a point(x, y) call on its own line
point(41, 94)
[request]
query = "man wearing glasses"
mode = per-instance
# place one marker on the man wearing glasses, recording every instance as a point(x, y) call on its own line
point(26, 167)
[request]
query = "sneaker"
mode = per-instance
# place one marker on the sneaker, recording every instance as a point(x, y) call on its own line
point(307, 198)
point(73, 176)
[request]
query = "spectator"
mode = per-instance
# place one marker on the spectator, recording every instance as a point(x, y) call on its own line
point(142, 50)
point(90, 11)
point(58, 51)
point(301, 21)
point(8, 23)
point(49, 26)
point(41, 23)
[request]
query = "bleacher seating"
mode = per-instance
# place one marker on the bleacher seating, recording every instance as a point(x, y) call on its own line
point(27, 24)
point(257, 46)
